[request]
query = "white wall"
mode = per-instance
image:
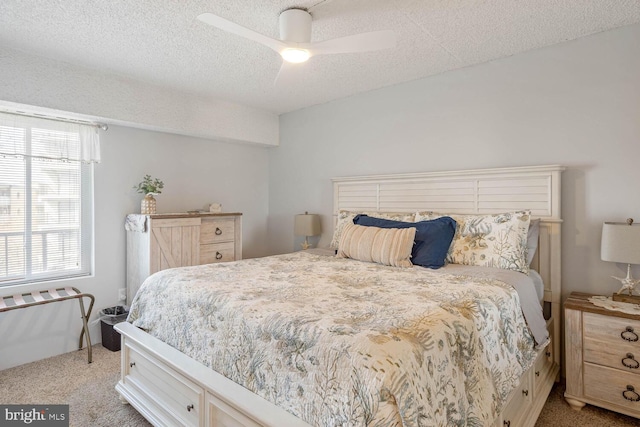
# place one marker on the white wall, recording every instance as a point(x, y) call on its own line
point(575, 104)
point(195, 172)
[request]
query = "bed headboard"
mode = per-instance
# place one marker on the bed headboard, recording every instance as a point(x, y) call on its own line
point(479, 191)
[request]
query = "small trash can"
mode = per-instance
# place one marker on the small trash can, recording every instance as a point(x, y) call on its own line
point(109, 317)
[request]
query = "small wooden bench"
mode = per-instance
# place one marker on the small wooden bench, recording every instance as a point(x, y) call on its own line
point(14, 302)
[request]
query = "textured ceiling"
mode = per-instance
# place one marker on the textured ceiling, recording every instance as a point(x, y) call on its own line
point(162, 42)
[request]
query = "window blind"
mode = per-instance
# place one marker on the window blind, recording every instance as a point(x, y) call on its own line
point(46, 199)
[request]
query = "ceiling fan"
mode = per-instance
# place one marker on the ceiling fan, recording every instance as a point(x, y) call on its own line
point(295, 44)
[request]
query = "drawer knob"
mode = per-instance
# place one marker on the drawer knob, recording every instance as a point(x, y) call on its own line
point(218, 231)
point(631, 394)
point(506, 423)
point(189, 407)
point(218, 255)
point(632, 362)
point(629, 335)
point(132, 364)
point(547, 353)
point(525, 392)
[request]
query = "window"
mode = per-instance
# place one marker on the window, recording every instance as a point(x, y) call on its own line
point(46, 199)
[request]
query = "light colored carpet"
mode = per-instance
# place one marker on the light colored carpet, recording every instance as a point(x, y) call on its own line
point(88, 389)
point(93, 401)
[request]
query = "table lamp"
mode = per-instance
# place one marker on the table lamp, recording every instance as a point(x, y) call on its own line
point(307, 225)
point(621, 243)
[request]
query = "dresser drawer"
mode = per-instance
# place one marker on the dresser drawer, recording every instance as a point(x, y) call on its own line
point(605, 343)
point(177, 399)
point(214, 230)
point(608, 385)
point(217, 252)
point(221, 414)
point(519, 403)
point(544, 364)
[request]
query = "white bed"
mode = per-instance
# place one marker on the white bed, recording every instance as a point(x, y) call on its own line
point(169, 388)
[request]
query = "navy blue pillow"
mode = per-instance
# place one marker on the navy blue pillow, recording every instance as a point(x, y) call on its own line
point(432, 240)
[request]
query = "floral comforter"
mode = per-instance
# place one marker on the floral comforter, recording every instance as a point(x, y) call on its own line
point(339, 342)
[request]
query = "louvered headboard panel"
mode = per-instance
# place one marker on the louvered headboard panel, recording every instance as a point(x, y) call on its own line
point(535, 188)
point(473, 191)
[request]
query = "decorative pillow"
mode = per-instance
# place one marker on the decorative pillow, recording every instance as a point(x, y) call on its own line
point(532, 239)
point(346, 217)
point(432, 240)
point(388, 246)
point(498, 240)
point(425, 215)
point(429, 215)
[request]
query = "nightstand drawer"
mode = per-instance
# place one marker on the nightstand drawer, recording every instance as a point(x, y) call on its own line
point(214, 230)
point(612, 385)
point(605, 343)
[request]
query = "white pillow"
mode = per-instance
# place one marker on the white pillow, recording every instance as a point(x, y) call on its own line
point(346, 217)
point(498, 240)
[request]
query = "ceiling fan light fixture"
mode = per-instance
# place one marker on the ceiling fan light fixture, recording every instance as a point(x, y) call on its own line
point(295, 55)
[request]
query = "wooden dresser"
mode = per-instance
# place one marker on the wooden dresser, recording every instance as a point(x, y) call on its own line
point(161, 241)
point(602, 356)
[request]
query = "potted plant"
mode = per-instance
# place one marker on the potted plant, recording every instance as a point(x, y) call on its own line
point(149, 187)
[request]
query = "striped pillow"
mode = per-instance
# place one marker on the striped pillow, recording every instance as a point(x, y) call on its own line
point(346, 217)
point(388, 246)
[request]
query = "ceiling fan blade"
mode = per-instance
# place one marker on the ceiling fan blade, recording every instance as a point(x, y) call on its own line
point(364, 42)
point(239, 30)
point(286, 74)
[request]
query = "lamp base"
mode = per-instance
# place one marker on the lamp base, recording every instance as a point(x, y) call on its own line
point(305, 245)
point(628, 283)
point(633, 299)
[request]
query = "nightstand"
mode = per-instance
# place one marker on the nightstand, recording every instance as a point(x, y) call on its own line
point(602, 351)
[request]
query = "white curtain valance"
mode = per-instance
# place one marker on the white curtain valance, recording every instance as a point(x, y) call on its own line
point(48, 139)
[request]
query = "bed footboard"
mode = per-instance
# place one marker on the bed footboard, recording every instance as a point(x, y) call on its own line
point(168, 388)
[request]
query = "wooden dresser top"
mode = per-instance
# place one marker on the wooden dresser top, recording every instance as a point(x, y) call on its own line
point(192, 215)
point(580, 301)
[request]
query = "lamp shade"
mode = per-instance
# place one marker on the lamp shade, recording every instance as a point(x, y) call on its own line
point(620, 243)
point(307, 225)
